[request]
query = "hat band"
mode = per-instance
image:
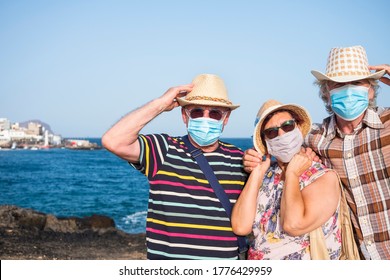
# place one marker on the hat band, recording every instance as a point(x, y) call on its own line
point(348, 73)
point(193, 98)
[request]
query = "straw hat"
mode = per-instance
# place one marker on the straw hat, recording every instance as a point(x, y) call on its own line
point(347, 65)
point(270, 106)
point(208, 90)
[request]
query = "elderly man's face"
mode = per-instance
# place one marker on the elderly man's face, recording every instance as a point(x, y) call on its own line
point(364, 83)
point(199, 111)
point(216, 113)
point(333, 85)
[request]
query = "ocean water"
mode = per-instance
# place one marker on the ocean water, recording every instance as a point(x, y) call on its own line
point(79, 183)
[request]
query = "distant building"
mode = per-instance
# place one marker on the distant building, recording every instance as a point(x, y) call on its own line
point(80, 144)
point(5, 139)
point(34, 129)
point(55, 140)
point(15, 126)
point(17, 134)
point(5, 124)
point(34, 135)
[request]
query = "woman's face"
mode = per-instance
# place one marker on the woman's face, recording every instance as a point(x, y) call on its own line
point(280, 121)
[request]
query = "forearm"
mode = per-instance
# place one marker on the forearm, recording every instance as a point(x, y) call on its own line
point(292, 209)
point(121, 139)
point(244, 211)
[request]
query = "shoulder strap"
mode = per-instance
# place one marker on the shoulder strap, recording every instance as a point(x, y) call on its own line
point(349, 250)
point(197, 154)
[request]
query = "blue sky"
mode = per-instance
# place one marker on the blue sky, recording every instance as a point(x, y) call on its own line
point(81, 65)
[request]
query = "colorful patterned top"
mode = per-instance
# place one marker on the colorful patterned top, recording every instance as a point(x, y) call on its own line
point(185, 218)
point(362, 160)
point(271, 242)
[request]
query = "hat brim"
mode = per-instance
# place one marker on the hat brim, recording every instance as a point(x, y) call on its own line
point(303, 116)
point(183, 102)
point(344, 79)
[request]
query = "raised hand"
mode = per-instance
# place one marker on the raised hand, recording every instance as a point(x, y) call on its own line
point(386, 67)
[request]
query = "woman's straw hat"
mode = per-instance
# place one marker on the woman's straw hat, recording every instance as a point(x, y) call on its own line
point(270, 106)
point(347, 65)
point(208, 90)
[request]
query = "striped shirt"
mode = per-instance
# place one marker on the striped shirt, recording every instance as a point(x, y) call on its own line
point(185, 218)
point(362, 160)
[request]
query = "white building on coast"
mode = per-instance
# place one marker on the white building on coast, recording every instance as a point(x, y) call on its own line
point(34, 135)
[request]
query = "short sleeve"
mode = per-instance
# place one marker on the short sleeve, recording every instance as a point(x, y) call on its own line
point(153, 149)
point(315, 171)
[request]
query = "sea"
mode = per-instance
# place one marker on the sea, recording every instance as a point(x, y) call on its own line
point(79, 183)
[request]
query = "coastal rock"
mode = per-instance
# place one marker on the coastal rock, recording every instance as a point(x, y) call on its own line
point(28, 234)
point(12, 216)
point(95, 222)
point(65, 225)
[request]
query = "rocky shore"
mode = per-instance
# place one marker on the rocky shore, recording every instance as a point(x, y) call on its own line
point(26, 234)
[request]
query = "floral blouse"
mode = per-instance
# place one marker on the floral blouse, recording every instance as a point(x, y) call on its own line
point(270, 241)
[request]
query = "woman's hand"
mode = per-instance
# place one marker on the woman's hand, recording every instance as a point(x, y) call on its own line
point(299, 164)
point(313, 156)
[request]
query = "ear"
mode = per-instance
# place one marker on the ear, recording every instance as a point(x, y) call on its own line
point(371, 93)
point(184, 116)
point(226, 120)
point(326, 93)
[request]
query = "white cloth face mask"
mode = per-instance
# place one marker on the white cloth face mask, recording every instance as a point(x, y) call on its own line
point(284, 147)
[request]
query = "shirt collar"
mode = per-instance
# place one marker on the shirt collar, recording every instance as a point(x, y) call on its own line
point(372, 119)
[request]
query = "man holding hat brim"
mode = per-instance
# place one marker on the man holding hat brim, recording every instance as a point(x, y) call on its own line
point(185, 218)
point(355, 141)
point(283, 201)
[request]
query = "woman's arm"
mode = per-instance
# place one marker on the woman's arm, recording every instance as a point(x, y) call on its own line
point(244, 211)
point(306, 210)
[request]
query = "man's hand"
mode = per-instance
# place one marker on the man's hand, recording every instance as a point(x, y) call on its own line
point(169, 98)
point(251, 159)
point(386, 67)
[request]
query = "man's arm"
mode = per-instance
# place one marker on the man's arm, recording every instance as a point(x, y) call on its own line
point(121, 139)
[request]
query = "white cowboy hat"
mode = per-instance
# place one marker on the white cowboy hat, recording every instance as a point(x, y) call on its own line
point(347, 65)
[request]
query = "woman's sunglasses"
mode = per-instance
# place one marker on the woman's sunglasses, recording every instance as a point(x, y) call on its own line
point(272, 132)
point(215, 114)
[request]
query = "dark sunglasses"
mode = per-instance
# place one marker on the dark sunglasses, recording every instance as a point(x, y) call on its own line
point(272, 132)
point(215, 114)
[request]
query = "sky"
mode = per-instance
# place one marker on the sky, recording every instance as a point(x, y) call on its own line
point(82, 65)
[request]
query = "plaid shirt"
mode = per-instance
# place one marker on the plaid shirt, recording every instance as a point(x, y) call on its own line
point(362, 160)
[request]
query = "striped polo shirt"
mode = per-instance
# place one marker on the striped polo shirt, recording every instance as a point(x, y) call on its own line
point(185, 218)
point(362, 160)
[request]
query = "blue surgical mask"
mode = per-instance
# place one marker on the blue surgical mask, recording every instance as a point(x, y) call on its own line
point(205, 131)
point(349, 102)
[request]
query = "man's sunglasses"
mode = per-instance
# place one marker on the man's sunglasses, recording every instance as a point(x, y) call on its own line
point(272, 132)
point(215, 114)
